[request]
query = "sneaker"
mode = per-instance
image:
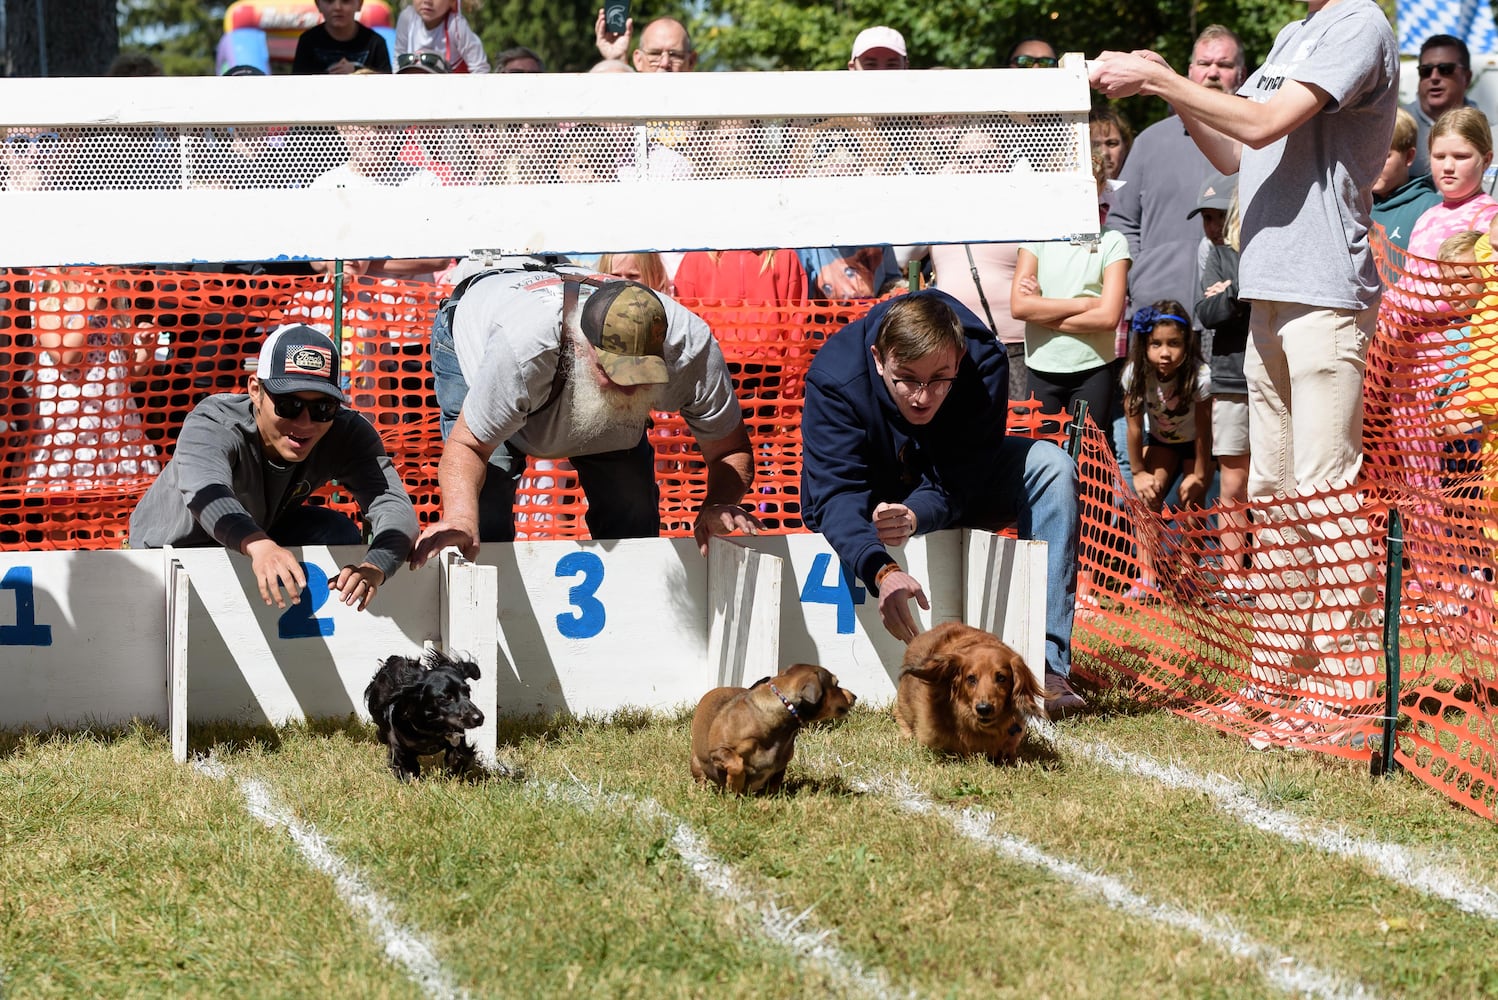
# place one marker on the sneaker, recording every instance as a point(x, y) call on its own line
point(1060, 700)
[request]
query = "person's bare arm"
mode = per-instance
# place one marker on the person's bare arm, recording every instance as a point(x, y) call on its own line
point(460, 476)
point(1219, 123)
point(730, 474)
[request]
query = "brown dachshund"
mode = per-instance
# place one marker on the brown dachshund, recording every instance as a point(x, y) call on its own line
point(965, 692)
point(742, 738)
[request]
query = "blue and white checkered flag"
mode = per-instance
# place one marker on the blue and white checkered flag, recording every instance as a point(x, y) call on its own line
point(1469, 20)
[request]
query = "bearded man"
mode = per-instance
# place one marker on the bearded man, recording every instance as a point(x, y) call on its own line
point(553, 361)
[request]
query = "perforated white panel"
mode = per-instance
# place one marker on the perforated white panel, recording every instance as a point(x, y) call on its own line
point(218, 169)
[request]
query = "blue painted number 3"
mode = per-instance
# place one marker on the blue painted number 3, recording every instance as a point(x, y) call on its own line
point(25, 632)
point(590, 617)
point(843, 594)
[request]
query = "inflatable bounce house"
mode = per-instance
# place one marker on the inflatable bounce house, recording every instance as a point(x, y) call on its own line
point(263, 33)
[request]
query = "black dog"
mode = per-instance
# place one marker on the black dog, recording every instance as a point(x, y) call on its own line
point(423, 706)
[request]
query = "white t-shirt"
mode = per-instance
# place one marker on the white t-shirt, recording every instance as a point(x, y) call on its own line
point(453, 40)
point(507, 331)
point(1170, 415)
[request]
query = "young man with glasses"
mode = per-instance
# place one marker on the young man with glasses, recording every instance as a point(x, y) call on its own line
point(904, 433)
point(245, 463)
point(1445, 71)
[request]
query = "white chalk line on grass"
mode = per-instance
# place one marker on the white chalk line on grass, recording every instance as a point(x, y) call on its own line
point(1288, 974)
point(1392, 861)
point(402, 946)
point(718, 878)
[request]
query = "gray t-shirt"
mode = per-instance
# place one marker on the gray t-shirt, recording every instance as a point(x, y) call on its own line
point(507, 331)
point(1307, 197)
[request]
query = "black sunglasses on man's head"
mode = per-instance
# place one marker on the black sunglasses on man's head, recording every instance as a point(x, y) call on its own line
point(1032, 62)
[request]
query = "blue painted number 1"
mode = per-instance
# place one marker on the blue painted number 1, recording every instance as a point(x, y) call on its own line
point(843, 595)
point(590, 616)
point(25, 632)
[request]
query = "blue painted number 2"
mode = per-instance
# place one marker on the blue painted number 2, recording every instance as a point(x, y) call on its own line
point(843, 595)
point(299, 621)
point(25, 632)
point(589, 619)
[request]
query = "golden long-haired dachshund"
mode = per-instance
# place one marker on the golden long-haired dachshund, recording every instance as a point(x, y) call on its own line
point(743, 738)
point(965, 692)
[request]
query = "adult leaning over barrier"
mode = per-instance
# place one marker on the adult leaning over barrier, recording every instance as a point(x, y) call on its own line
point(554, 361)
point(246, 462)
point(904, 434)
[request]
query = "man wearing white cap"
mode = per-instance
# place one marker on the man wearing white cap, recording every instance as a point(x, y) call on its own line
point(245, 463)
point(879, 48)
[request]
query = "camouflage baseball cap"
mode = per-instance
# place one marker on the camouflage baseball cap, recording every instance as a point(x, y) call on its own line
point(626, 324)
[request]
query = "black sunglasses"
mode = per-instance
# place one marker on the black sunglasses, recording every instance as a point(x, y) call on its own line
point(1445, 69)
point(1030, 62)
point(291, 407)
point(426, 60)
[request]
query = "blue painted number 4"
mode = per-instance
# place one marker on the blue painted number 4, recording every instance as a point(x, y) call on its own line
point(842, 595)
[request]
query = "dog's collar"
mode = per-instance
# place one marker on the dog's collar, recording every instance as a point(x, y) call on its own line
point(786, 702)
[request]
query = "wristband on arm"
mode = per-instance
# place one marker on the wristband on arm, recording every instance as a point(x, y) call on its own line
point(884, 571)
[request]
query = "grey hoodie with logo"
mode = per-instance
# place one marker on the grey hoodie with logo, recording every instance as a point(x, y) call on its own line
point(216, 488)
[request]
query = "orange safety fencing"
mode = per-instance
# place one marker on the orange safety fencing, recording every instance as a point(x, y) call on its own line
point(1265, 620)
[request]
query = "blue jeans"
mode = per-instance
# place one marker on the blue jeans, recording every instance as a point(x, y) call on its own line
point(1043, 503)
point(624, 499)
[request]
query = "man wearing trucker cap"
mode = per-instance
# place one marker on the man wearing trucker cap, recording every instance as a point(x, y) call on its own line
point(245, 463)
point(554, 361)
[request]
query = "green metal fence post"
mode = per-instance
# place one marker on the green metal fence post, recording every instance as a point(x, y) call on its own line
point(1386, 761)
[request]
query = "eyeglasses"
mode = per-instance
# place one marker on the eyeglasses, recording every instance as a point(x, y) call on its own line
point(424, 60)
point(937, 386)
point(1032, 62)
point(42, 142)
point(675, 57)
point(1444, 68)
point(291, 407)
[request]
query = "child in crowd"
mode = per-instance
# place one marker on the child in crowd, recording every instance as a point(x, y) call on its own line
point(439, 26)
point(340, 44)
point(1071, 299)
point(1168, 401)
point(1112, 136)
point(1399, 199)
point(1221, 310)
point(647, 268)
point(1461, 147)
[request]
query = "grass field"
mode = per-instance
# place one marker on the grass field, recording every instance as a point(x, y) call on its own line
point(1130, 854)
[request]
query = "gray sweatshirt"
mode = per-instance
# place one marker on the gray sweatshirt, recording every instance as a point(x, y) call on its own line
point(214, 488)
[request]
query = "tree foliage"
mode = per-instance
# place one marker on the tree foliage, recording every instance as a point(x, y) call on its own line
point(180, 34)
point(962, 34)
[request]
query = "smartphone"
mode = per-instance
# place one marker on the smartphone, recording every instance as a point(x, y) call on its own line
point(615, 16)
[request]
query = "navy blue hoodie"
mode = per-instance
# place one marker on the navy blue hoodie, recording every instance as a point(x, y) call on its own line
point(858, 451)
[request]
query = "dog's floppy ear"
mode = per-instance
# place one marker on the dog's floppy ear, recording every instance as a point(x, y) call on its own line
point(937, 668)
point(1027, 690)
point(813, 692)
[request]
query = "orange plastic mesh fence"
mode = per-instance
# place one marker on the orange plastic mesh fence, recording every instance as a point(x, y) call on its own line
point(1263, 621)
